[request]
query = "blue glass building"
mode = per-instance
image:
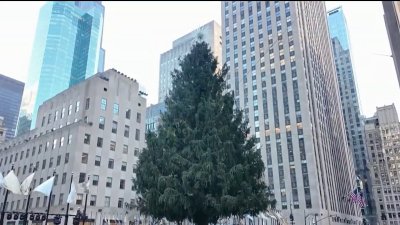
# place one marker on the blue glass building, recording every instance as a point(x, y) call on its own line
point(10, 101)
point(350, 104)
point(66, 50)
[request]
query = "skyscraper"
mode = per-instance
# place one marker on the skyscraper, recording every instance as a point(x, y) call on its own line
point(282, 75)
point(392, 21)
point(348, 95)
point(66, 50)
point(10, 102)
point(382, 135)
point(169, 60)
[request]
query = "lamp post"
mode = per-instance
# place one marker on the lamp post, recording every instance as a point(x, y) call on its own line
point(66, 216)
point(87, 193)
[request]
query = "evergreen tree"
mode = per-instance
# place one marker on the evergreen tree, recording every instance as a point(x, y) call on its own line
point(202, 164)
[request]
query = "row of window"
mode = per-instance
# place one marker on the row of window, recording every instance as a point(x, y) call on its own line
point(40, 147)
point(56, 113)
point(103, 106)
point(16, 205)
point(99, 144)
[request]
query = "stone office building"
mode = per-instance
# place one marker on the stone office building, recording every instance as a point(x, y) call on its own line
point(95, 128)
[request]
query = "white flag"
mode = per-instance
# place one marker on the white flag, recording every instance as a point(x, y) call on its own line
point(11, 183)
point(26, 184)
point(1, 180)
point(125, 220)
point(45, 187)
point(72, 194)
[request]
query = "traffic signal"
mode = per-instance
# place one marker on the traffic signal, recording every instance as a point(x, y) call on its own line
point(32, 217)
point(16, 216)
point(9, 216)
point(43, 217)
point(57, 219)
point(37, 217)
point(291, 217)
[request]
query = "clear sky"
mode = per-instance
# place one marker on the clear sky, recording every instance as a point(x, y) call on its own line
point(136, 33)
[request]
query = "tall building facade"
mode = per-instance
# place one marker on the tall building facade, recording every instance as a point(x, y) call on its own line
point(66, 50)
point(94, 128)
point(283, 77)
point(382, 134)
point(169, 60)
point(392, 20)
point(3, 130)
point(349, 98)
point(10, 102)
point(153, 116)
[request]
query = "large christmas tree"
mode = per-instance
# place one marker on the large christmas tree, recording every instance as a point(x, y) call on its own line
point(201, 164)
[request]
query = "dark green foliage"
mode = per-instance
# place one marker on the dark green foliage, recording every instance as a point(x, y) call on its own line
point(201, 165)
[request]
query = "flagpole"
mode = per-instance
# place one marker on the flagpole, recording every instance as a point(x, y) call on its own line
point(26, 208)
point(5, 202)
point(48, 205)
point(84, 209)
point(66, 217)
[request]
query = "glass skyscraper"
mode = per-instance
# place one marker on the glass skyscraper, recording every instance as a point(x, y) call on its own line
point(10, 101)
point(66, 50)
point(349, 99)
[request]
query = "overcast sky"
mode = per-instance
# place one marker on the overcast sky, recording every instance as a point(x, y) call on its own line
point(136, 33)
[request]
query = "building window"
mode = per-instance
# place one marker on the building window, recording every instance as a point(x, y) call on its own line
point(79, 199)
point(120, 202)
point(116, 109)
point(61, 199)
point(84, 158)
point(82, 177)
point(87, 103)
point(58, 160)
point(97, 160)
point(114, 127)
point(139, 117)
point(137, 135)
point(64, 178)
point(122, 184)
point(95, 180)
point(99, 142)
point(56, 116)
point(103, 105)
point(136, 152)
point(66, 158)
point(69, 139)
point(128, 114)
point(123, 166)
point(69, 109)
point(126, 131)
point(125, 149)
point(87, 139)
point(111, 164)
point(77, 106)
point(109, 182)
point(50, 163)
point(54, 143)
point(93, 200)
point(102, 121)
point(112, 145)
point(61, 141)
point(107, 201)
point(44, 164)
point(62, 113)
